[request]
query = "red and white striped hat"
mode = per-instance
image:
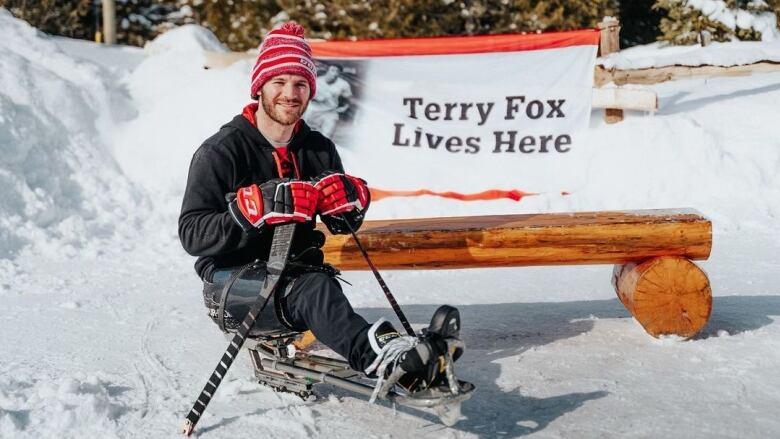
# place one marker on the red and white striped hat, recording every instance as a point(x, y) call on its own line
point(284, 51)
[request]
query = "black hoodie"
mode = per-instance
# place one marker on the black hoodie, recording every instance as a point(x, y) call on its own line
point(237, 156)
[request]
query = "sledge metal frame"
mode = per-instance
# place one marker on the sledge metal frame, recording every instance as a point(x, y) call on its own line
point(298, 373)
point(276, 349)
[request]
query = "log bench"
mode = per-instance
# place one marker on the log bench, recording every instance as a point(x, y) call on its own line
point(652, 251)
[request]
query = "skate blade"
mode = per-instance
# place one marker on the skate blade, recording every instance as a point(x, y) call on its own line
point(439, 396)
point(449, 414)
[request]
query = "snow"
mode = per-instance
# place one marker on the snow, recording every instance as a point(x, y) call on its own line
point(103, 328)
point(716, 10)
point(55, 112)
point(186, 38)
point(716, 54)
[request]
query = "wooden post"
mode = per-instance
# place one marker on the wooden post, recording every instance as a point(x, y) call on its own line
point(667, 295)
point(705, 38)
point(610, 43)
point(613, 115)
point(109, 21)
point(610, 36)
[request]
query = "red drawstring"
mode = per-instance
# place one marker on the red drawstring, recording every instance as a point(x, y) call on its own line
point(278, 164)
point(295, 165)
point(280, 170)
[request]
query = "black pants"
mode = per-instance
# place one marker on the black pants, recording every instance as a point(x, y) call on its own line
point(308, 301)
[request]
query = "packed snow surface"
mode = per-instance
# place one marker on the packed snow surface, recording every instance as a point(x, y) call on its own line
point(104, 332)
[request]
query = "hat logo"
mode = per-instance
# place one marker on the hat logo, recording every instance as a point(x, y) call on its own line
point(309, 65)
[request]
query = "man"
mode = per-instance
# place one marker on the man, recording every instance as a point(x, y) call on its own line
point(267, 167)
point(325, 108)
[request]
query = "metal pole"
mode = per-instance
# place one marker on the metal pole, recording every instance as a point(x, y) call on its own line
point(109, 21)
point(382, 284)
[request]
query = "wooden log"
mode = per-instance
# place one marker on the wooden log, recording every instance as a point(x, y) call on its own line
point(655, 75)
point(220, 60)
point(625, 99)
point(525, 240)
point(666, 295)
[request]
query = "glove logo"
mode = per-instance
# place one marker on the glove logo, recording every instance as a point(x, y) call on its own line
point(250, 206)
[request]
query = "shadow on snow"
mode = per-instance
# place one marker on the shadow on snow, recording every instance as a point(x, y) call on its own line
point(497, 331)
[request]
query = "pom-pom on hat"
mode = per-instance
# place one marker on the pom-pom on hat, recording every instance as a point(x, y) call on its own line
point(284, 51)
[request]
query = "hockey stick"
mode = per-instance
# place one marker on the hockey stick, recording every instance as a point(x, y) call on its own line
point(277, 260)
point(381, 281)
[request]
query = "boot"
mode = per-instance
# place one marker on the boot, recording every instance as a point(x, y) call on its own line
point(414, 363)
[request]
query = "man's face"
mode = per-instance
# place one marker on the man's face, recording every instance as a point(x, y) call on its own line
point(285, 97)
point(331, 74)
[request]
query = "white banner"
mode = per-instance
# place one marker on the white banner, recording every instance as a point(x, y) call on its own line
point(471, 113)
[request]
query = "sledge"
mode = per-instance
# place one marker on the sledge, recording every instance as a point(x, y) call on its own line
point(280, 365)
point(277, 366)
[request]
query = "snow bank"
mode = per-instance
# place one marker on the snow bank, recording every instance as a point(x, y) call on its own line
point(187, 38)
point(179, 104)
point(44, 406)
point(716, 54)
point(62, 190)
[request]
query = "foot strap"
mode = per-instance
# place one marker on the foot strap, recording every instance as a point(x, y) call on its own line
point(390, 354)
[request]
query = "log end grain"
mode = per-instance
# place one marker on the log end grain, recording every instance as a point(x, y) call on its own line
point(667, 295)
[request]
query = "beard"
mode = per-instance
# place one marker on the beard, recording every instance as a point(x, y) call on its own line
point(279, 115)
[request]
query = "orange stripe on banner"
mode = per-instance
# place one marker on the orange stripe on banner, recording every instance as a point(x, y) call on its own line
point(454, 45)
point(492, 194)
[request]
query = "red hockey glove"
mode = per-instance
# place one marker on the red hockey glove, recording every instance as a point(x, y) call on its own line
point(341, 193)
point(343, 202)
point(274, 202)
